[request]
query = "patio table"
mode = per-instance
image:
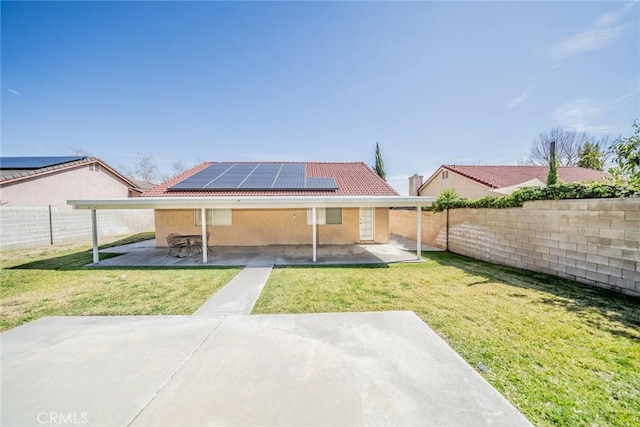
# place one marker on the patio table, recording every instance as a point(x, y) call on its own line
point(193, 242)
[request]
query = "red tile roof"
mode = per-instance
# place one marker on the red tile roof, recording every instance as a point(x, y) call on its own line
point(353, 179)
point(506, 176)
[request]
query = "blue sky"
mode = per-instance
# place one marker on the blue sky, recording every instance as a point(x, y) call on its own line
point(432, 82)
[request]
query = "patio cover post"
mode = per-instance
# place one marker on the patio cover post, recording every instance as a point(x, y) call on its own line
point(419, 232)
point(94, 236)
point(203, 220)
point(313, 228)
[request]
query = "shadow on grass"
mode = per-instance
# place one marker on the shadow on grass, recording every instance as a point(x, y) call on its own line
point(576, 297)
point(81, 261)
point(323, 266)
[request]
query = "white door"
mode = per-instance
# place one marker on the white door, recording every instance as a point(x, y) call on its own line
point(366, 224)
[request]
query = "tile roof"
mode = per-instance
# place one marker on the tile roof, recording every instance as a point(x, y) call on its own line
point(353, 179)
point(506, 176)
point(11, 176)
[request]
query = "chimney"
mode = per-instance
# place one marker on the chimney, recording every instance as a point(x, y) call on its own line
point(415, 182)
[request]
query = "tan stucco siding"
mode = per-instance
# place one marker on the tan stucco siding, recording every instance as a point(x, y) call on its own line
point(57, 188)
point(381, 225)
point(253, 227)
point(464, 186)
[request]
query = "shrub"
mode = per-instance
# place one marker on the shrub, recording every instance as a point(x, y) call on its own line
point(613, 188)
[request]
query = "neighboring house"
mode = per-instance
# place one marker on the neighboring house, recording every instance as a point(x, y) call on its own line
point(29, 181)
point(269, 183)
point(142, 186)
point(474, 182)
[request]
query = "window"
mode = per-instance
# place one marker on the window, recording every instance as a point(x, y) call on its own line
point(324, 216)
point(217, 217)
point(445, 174)
point(333, 215)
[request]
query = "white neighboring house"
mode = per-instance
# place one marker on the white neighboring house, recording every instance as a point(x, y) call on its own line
point(38, 181)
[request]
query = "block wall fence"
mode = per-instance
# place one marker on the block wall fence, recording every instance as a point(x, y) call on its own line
point(32, 226)
point(593, 241)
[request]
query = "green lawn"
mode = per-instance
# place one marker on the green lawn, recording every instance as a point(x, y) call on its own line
point(561, 352)
point(52, 281)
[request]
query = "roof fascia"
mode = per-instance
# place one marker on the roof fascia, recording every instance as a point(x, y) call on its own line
point(267, 202)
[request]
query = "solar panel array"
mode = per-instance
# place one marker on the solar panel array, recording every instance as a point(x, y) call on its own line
point(254, 176)
point(35, 162)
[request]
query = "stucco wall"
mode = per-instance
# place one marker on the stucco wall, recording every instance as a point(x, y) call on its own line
point(56, 188)
point(464, 186)
point(253, 227)
point(591, 241)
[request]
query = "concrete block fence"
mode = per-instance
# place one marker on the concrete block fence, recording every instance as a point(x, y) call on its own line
point(593, 241)
point(32, 226)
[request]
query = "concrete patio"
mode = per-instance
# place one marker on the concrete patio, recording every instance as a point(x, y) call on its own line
point(145, 254)
point(334, 369)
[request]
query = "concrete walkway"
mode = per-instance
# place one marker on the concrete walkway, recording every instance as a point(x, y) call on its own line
point(337, 369)
point(241, 293)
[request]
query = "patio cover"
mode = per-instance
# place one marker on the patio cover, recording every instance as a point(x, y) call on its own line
point(253, 202)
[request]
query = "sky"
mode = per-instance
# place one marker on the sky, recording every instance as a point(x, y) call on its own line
point(432, 82)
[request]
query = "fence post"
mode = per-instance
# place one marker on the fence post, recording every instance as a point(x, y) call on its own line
point(50, 226)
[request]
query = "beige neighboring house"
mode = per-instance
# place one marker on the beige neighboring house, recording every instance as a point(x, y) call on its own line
point(38, 181)
point(474, 182)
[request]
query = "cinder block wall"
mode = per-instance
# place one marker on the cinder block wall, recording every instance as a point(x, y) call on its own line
point(31, 226)
point(434, 233)
point(592, 241)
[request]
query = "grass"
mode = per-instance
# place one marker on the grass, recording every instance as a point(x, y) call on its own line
point(52, 281)
point(561, 352)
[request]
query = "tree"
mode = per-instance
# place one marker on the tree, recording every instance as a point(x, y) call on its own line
point(79, 151)
point(552, 177)
point(627, 156)
point(379, 167)
point(592, 156)
point(144, 169)
point(568, 145)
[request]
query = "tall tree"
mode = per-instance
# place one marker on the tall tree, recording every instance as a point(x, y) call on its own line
point(552, 177)
point(568, 145)
point(592, 156)
point(379, 167)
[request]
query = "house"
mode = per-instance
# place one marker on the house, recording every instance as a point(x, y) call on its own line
point(29, 181)
point(290, 226)
point(269, 203)
point(473, 181)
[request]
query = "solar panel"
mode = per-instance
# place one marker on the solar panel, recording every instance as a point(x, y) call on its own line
point(321, 183)
point(291, 177)
point(254, 176)
point(262, 177)
point(35, 162)
point(201, 179)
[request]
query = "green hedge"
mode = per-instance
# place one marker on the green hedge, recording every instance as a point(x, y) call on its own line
point(573, 190)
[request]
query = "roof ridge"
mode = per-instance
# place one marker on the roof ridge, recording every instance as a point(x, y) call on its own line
point(7, 179)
